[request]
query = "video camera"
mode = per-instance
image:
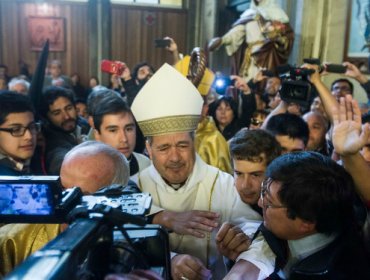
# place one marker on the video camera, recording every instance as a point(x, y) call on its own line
point(295, 85)
point(101, 237)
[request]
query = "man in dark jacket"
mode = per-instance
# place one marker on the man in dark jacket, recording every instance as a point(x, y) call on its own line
point(64, 129)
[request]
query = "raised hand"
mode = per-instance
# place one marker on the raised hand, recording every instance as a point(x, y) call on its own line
point(259, 76)
point(240, 84)
point(348, 137)
point(353, 72)
point(173, 46)
point(314, 77)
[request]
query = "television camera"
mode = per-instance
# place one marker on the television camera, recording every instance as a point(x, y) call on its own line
point(107, 231)
point(295, 86)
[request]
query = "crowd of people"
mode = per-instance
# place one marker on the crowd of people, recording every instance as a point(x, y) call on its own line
point(249, 185)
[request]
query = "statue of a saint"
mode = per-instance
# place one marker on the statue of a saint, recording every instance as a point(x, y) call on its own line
point(260, 38)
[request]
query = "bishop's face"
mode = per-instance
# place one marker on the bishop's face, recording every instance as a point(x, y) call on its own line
point(173, 156)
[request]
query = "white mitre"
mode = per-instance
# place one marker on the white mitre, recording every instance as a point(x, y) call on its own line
point(168, 103)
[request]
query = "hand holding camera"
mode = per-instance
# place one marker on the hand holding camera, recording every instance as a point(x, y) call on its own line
point(353, 72)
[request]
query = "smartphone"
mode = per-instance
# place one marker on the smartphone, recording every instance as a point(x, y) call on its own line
point(335, 68)
point(112, 67)
point(162, 43)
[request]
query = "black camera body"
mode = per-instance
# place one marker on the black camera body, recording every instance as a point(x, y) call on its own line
point(295, 87)
point(41, 199)
point(103, 236)
point(162, 43)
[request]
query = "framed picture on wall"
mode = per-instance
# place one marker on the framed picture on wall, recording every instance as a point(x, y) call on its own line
point(357, 45)
point(42, 28)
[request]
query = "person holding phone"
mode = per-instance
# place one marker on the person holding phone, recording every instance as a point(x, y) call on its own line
point(141, 73)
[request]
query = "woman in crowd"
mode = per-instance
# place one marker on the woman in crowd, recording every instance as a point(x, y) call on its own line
point(225, 113)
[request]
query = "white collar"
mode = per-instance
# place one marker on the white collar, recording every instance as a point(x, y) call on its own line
point(308, 245)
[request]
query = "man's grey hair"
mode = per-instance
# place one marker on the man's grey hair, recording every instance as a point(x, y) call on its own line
point(16, 81)
point(92, 148)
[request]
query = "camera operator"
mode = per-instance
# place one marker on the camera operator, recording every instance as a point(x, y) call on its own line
point(328, 100)
point(132, 84)
point(91, 166)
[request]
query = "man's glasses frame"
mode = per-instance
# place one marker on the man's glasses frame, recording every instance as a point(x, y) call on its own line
point(19, 131)
point(265, 188)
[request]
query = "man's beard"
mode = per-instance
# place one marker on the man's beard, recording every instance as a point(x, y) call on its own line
point(70, 121)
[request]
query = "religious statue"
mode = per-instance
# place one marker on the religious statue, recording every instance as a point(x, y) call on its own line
point(260, 38)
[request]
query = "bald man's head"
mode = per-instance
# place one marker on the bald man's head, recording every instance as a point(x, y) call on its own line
point(93, 165)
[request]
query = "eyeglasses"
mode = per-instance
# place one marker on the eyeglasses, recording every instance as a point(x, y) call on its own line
point(343, 88)
point(19, 131)
point(265, 187)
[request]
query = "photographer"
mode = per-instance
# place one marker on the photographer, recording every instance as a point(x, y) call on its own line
point(133, 83)
point(341, 87)
point(91, 166)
